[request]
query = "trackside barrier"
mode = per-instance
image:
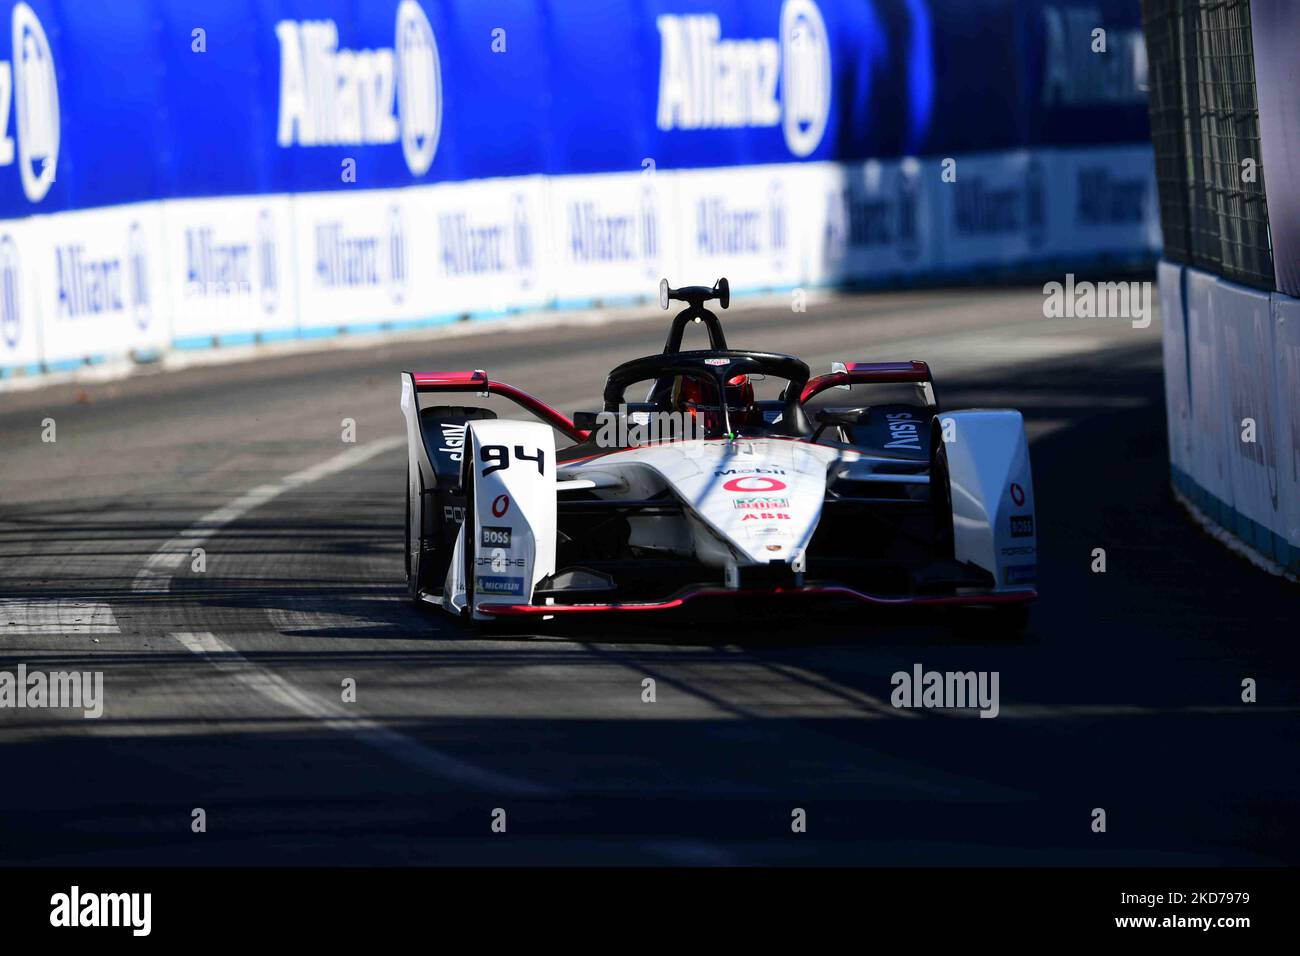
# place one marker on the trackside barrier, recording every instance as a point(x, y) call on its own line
point(179, 174)
point(89, 285)
point(1232, 385)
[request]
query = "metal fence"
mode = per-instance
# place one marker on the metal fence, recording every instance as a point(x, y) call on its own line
point(1205, 129)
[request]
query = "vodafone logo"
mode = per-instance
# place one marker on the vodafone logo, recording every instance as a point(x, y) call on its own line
point(500, 505)
point(755, 483)
point(1017, 494)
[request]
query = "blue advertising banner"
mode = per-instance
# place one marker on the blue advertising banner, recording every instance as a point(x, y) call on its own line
point(124, 102)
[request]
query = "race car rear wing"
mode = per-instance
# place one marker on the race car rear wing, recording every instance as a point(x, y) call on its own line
point(477, 382)
point(873, 373)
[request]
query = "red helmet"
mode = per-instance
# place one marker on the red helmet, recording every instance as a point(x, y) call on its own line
point(690, 392)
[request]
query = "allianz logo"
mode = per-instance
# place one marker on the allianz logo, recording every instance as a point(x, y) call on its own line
point(1107, 199)
point(11, 326)
point(597, 234)
point(866, 216)
point(724, 228)
point(91, 284)
point(222, 268)
point(215, 267)
point(29, 105)
point(981, 209)
point(334, 96)
point(707, 82)
point(1073, 75)
point(349, 259)
point(468, 245)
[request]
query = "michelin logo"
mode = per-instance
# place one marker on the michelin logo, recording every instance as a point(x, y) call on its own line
point(706, 82)
point(29, 91)
point(333, 96)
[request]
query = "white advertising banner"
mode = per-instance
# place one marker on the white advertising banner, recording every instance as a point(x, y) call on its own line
point(491, 247)
point(1178, 401)
point(993, 211)
point(363, 257)
point(111, 281)
point(1102, 202)
point(874, 220)
point(611, 235)
point(20, 325)
point(1286, 344)
point(1244, 318)
point(100, 282)
point(1210, 467)
point(756, 225)
point(230, 262)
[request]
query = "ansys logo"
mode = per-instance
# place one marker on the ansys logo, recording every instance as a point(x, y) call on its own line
point(28, 85)
point(706, 82)
point(332, 96)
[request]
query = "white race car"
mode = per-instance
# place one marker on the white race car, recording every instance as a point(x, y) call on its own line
point(703, 489)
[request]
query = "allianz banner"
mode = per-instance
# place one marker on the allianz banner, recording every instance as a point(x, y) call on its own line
point(121, 102)
point(184, 173)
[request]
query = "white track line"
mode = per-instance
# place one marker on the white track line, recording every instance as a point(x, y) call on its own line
point(156, 575)
point(400, 747)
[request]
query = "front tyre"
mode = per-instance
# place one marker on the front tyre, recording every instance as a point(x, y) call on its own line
point(413, 567)
point(468, 549)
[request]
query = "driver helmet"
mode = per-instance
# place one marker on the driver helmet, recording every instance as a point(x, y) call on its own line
point(689, 392)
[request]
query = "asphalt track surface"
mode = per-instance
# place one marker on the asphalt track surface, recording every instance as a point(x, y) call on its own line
point(223, 687)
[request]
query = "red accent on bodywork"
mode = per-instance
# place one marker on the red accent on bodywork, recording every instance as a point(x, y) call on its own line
point(477, 381)
point(448, 381)
point(868, 373)
point(527, 610)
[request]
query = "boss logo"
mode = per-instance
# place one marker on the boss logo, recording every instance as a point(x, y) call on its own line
point(1022, 526)
point(495, 537)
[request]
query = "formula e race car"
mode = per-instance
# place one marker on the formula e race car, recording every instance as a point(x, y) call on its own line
point(707, 488)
